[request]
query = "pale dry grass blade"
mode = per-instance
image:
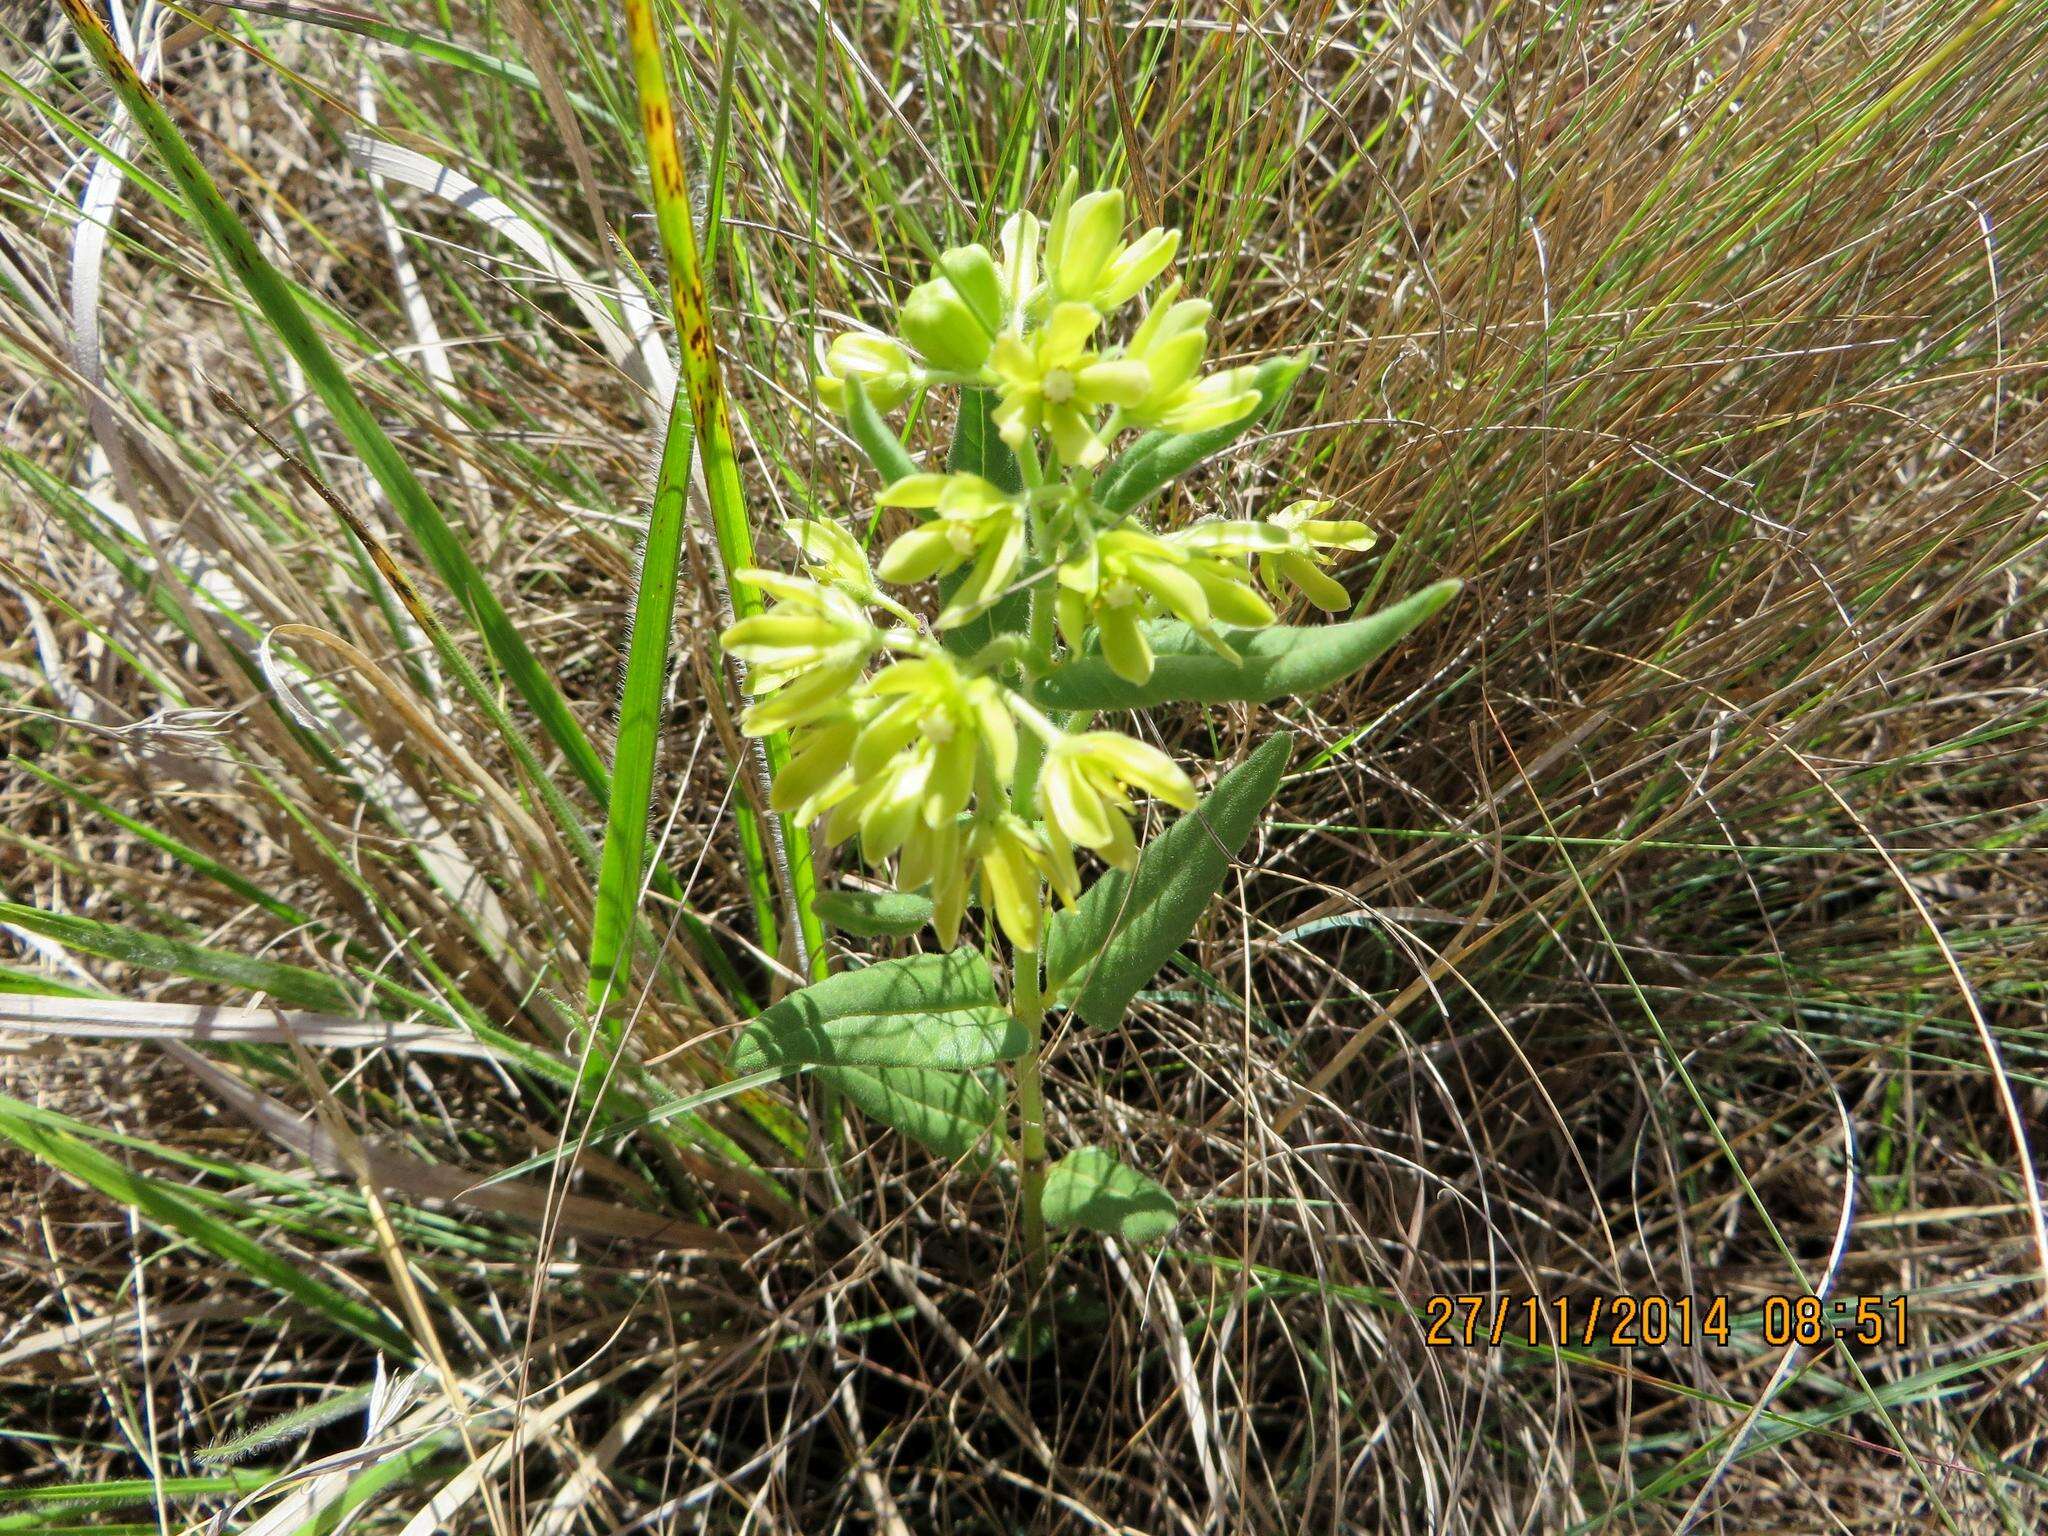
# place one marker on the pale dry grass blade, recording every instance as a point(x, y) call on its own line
point(31, 1019)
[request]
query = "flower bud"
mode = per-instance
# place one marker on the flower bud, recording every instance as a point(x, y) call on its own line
point(885, 371)
point(944, 329)
point(1133, 267)
point(971, 273)
point(1081, 242)
point(1019, 243)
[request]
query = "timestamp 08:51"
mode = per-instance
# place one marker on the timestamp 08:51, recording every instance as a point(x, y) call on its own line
point(1653, 1321)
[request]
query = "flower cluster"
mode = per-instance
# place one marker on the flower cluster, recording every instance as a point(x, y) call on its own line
point(910, 749)
point(1028, 325)
point(913, 747)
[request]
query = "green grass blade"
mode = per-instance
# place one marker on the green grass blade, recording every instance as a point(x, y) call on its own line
point(292, 984)
point(113, 1494)
point(165, 1207)
point(705, 385)
point(567, 821)
point(194, 859)
point(640, 711)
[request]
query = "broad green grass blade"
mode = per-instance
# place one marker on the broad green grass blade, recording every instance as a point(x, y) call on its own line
point(640, 707)
point(169, 1209)
point(274, 296)
point(705, 386)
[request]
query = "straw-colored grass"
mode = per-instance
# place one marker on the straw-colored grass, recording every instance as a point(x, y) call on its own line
point(1667, 918)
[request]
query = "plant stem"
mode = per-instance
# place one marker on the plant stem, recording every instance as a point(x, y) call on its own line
point(1027, 998)
point(1029, 1003)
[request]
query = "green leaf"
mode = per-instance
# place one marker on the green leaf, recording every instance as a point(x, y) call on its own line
point(949, 1112)
point(112, 1493)
point(1160, 457)
point(1282, 662)
point(1091, 1190)
point(875, 914)
point(978, 449)
point(640, 716)
point(936, 1011)
point(30, 984)
point(291, 984)
point(294, 1425)
point(1129, 923)
point(882, 446)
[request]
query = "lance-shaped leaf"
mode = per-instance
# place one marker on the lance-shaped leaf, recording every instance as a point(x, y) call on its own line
point(1160, 457)
point(1282, 662)
point(1091, 1190)
point(1118, 935)
point(875, 914)
point(640, 712)
point(936, 1011)
point(949, 1112)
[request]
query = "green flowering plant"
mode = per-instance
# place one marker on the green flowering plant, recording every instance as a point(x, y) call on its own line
point(956, 739)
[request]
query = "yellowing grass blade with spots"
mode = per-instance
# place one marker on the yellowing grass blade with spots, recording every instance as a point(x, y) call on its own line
point(705, 385)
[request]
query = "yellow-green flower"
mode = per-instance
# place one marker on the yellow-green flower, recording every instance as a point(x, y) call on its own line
point(1010, 856)
point(1300, 564)
point(1050, 379)
point(1171, 341)
point(1120, 576)
point(804, 654)
point(1082, 789)
point(833, 556)
point(935, 858)
point(886, 372)
point(974, 519)
point(1087, 258)
point(917, 759)
point(819, 772)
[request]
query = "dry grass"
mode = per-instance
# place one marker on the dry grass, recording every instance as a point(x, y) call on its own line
point(1703, 343)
